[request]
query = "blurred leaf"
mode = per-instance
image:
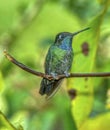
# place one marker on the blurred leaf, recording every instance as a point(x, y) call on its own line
point(19, 119)
point(81, 7)
point(100, 96)
point(1, 83)
point(82, 105)
point(39, 30)
point(64, 114)
point(2, 100)
point(5, 124)
point(101, 122)
point(103, 2)
point(9, 13)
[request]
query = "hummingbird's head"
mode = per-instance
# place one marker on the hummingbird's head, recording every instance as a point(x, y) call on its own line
point(64, 39)
point(61, 36)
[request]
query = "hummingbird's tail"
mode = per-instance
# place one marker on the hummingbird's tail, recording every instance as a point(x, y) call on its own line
point(49, 87)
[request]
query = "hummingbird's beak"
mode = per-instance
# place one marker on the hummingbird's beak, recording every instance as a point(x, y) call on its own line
point(80, 31)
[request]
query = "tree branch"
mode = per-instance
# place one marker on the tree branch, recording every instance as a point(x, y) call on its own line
point(49, 77)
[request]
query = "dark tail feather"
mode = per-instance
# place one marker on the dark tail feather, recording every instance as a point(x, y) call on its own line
point(44, 86)
point(49, 87)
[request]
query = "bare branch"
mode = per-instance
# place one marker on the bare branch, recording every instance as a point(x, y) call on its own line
point(49, 77)
point(24, 67)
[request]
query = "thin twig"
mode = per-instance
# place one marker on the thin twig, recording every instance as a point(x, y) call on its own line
point(4, 120)
point(49, 77)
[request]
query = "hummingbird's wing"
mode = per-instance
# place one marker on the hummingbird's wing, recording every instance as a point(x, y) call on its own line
point(56, 85)
point(49, 87)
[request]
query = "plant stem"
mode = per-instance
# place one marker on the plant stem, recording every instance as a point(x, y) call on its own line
point(5, 122)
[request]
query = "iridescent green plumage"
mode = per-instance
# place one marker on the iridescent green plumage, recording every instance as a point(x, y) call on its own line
point(58, 61)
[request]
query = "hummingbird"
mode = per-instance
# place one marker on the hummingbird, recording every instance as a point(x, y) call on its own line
point(58, 61)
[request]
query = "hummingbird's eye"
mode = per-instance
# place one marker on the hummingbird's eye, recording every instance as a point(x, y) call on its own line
point(61, 36)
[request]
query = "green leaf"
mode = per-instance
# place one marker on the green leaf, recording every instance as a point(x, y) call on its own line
point(82, 105)
point(9, 13)
point(101, 122)
point(4, 123)
point(100, 96)
point(1, 83)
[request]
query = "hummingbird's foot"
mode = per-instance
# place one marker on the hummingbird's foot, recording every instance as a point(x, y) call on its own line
point(54, 75)
point(67, 74)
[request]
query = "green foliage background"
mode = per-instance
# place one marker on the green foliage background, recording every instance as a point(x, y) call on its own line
point(27, 29)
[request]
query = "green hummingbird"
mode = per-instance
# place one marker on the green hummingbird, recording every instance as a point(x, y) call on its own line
point(58, 61)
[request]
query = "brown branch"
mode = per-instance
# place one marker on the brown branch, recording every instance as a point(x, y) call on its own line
point(24, 67)
point(49, 77)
